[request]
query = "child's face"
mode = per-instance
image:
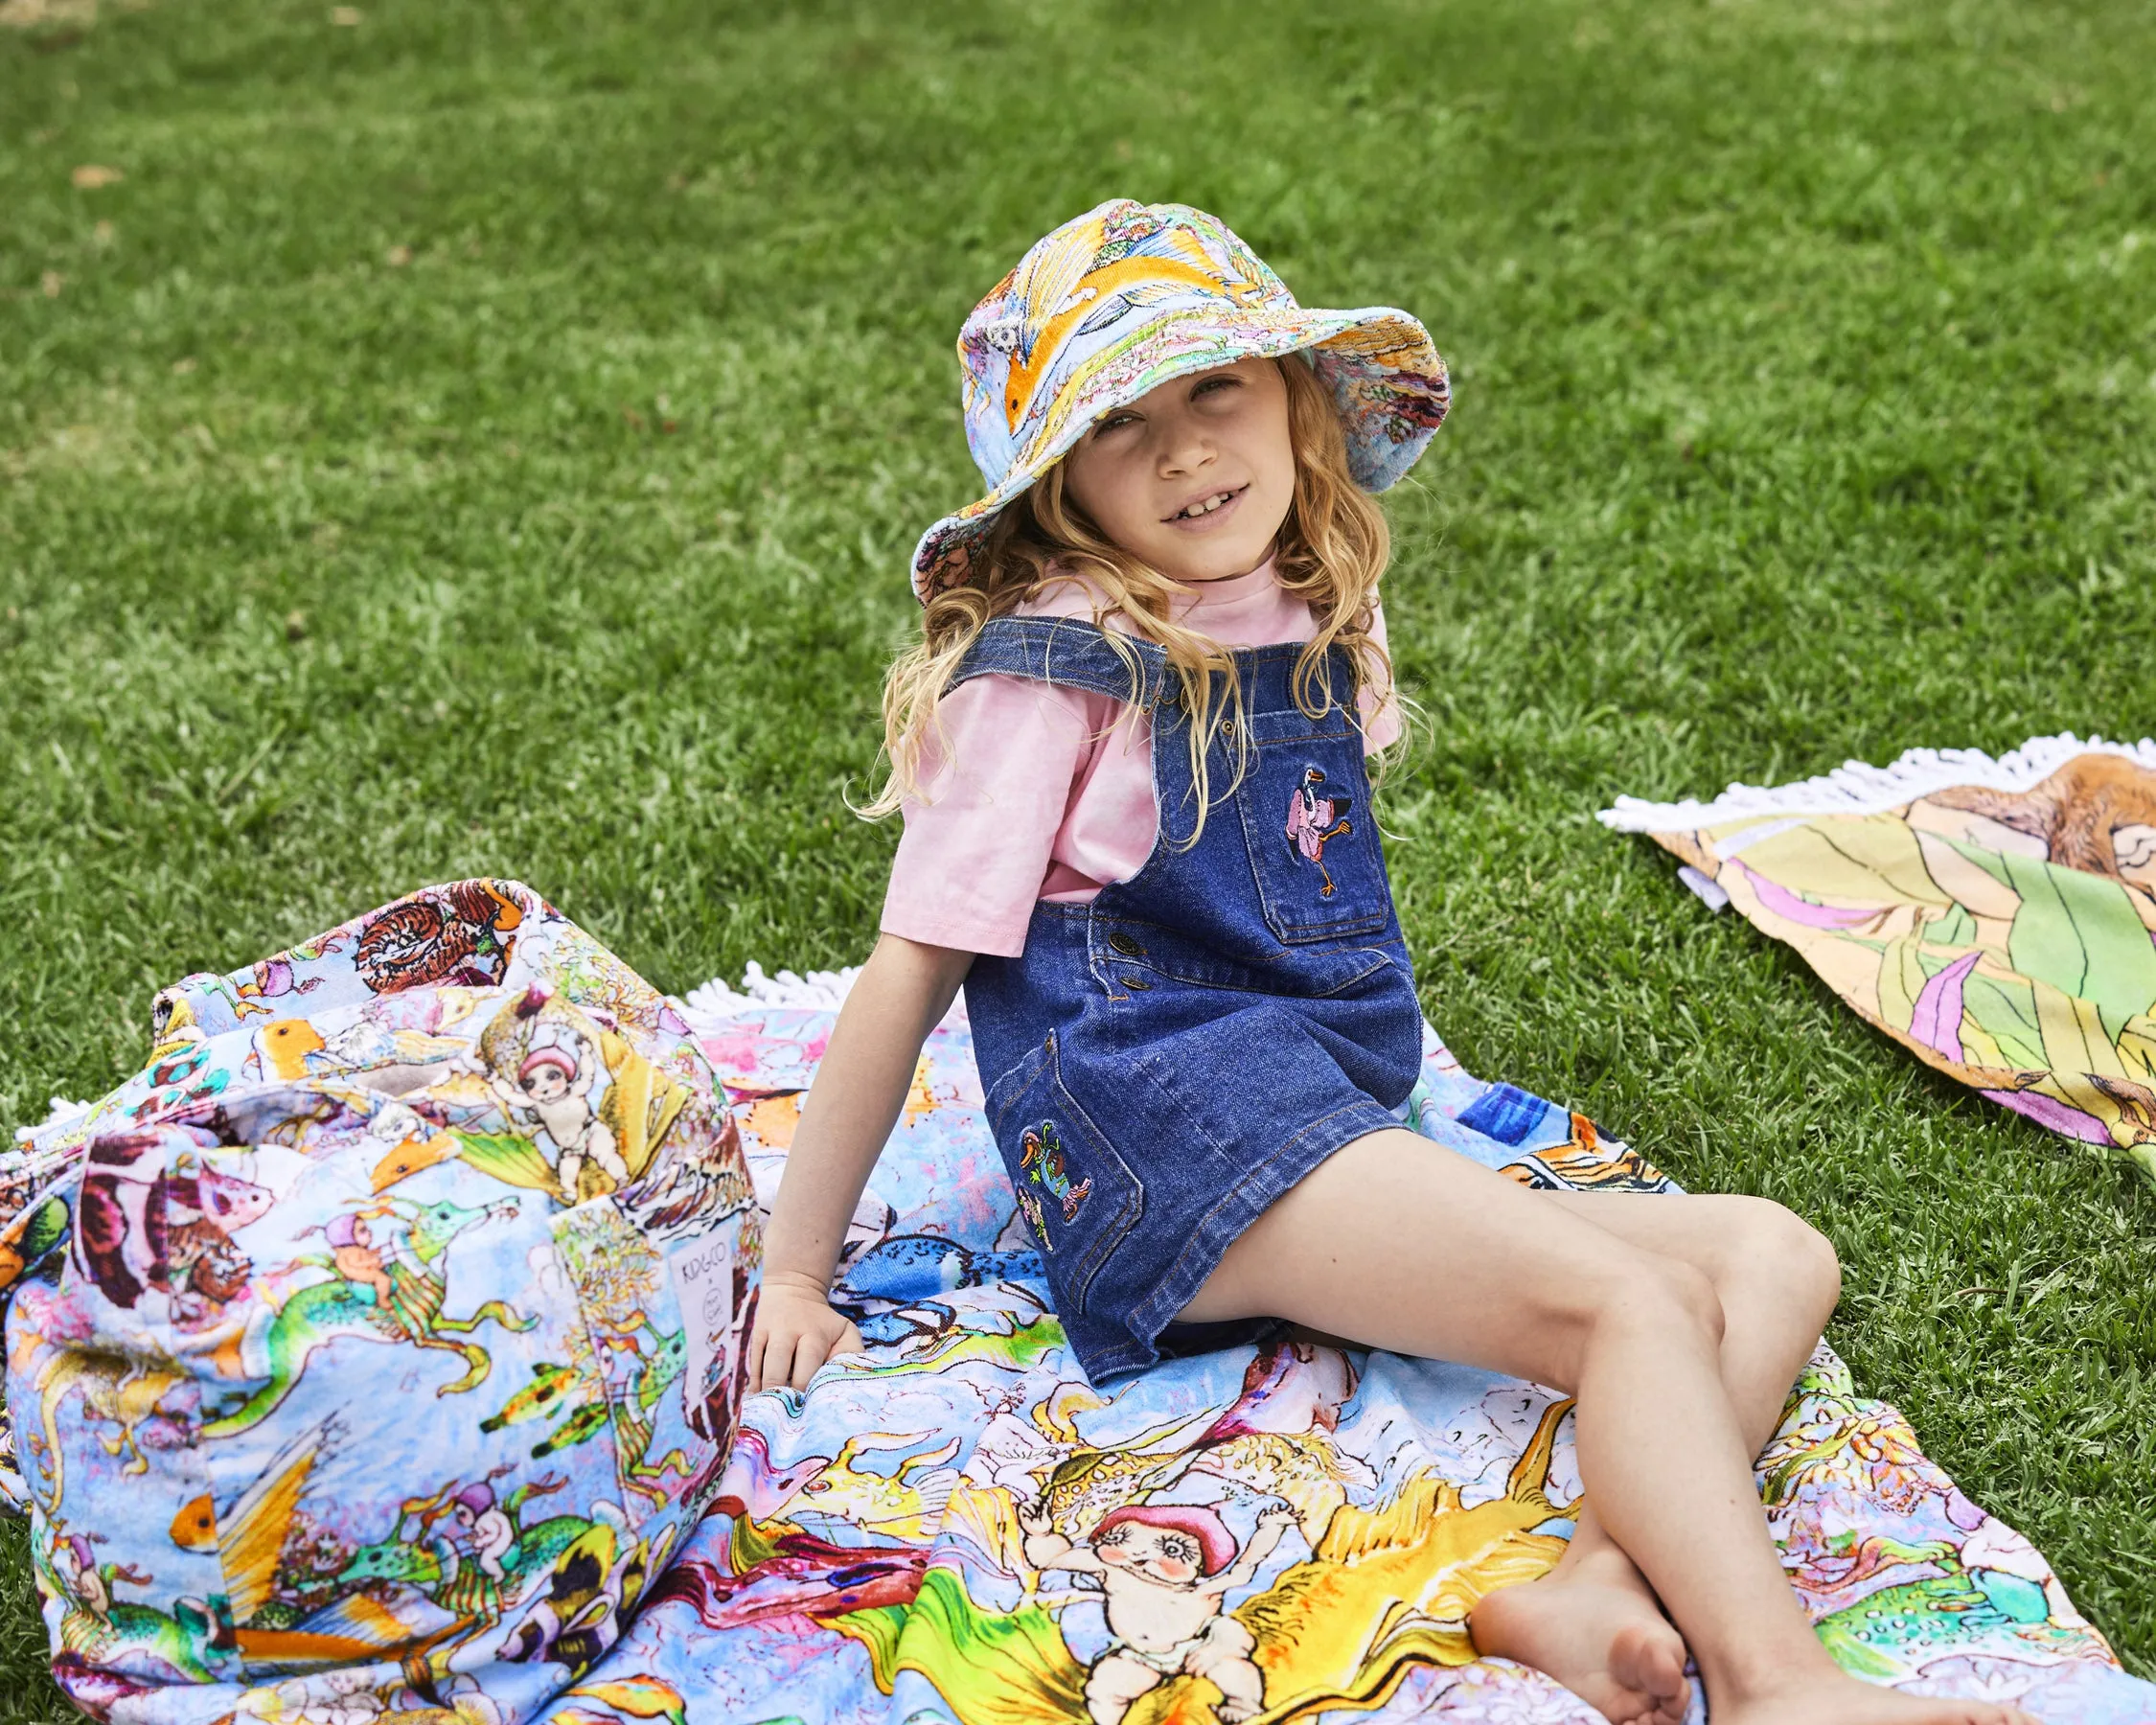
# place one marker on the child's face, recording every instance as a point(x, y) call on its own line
point(549, 1084)
point(1217, 433)
point(1160, 1552)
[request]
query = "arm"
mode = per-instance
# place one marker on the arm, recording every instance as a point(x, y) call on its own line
point(1379, 707)
point(964, 880)
point(902, 990)
point(1272, 1522)
point(1048, 1549)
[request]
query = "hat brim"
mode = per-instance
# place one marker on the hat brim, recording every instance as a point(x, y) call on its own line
point(1384, 374)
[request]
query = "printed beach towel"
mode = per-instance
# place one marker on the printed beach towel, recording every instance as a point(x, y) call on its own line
point(371, 1350)
point(918, 1539)
point(1997, 917)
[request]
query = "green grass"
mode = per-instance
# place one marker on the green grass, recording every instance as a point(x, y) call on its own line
point(1806, 369)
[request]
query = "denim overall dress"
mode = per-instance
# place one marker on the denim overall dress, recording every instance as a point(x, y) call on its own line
point(1164, 1062)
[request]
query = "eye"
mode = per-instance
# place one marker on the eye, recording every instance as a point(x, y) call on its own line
point(1214, 384)
point(1115, 421)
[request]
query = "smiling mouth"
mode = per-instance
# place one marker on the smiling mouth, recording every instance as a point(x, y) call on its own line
point(1208, 505)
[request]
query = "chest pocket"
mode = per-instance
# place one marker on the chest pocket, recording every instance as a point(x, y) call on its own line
point(1304, 805)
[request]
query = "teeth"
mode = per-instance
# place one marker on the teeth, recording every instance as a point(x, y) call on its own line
point(1207, 506)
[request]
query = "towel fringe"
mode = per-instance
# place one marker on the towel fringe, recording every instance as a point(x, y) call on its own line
point(60, 1111)
point(707, 1007)
point(1857, 788)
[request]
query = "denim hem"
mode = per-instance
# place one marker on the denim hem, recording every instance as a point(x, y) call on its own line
point(1114, 1362)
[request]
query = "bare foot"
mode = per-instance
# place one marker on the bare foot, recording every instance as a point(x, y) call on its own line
point(1848, 1700)
point(1596, 1629)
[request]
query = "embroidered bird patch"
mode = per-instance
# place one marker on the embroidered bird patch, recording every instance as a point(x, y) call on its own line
point(1040, 1160)
point(1312, 819)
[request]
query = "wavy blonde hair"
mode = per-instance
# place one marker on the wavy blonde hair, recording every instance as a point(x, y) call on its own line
point(1331, 550)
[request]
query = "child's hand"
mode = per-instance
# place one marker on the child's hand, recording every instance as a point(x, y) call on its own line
point(1034, 1518)
point(796, 1331)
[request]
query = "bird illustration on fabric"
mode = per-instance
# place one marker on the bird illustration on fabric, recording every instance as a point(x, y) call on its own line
point(1312, 819)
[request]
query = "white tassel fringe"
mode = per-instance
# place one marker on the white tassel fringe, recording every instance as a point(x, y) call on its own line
point(709, 1006)
point(717, 1000)
point(61, 1112)
point(1857, 788)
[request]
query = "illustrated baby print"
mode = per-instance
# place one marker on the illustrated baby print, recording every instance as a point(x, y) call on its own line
point(584, 1110)
point(1312, 819)
point(1164, 1571)
point(551, 1090)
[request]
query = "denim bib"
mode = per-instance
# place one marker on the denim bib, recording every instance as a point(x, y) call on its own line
point(1162, 1063)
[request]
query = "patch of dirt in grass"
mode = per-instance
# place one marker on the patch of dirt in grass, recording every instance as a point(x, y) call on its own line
point(66, 20)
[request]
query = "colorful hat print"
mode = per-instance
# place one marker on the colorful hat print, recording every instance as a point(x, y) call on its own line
point(1127, 297)
point(1216, 1545)
point(549, 1054)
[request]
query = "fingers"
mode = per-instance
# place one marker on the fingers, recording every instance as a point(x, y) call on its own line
point(790, 1361)
point(782, 1355)
point(779, 1354)
point(763, 1360)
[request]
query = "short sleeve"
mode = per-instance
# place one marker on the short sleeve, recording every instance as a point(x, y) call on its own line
point(1378, 709)
point(977, 841)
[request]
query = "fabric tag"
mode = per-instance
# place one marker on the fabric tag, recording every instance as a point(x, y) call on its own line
point(702, 1273)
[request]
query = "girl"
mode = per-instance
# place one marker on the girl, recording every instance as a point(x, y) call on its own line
point(1130, 752)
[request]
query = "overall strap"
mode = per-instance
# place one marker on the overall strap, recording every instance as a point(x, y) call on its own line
point(1066, 651)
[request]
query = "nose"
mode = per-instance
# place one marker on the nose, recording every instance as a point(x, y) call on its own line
point(1182, 443)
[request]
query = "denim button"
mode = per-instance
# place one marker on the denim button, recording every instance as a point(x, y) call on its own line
point(1137, 982)
point(1125, 945)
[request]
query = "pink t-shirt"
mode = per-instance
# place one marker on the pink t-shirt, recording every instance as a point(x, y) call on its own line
point(1046, 793)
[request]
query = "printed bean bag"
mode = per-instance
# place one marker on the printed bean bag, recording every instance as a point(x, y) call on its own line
point(376, 1346)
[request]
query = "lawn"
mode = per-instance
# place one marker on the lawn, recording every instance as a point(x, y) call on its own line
point(467, 437)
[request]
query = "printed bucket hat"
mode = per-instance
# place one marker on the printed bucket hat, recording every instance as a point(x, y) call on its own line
point(1129, 296)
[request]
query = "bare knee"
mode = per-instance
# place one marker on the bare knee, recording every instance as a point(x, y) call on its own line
point(1118, 1681)
point(1672, 1296)
point(1644, 1292)
point(1776, 1252)
point(1690, 1295)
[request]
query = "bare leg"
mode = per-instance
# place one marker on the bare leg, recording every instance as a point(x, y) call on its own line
point(1593, 1622)
point(1404, 1245)
point(1114, 1686)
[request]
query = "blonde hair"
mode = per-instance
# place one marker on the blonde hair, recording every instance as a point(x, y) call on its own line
point(1331, 550)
